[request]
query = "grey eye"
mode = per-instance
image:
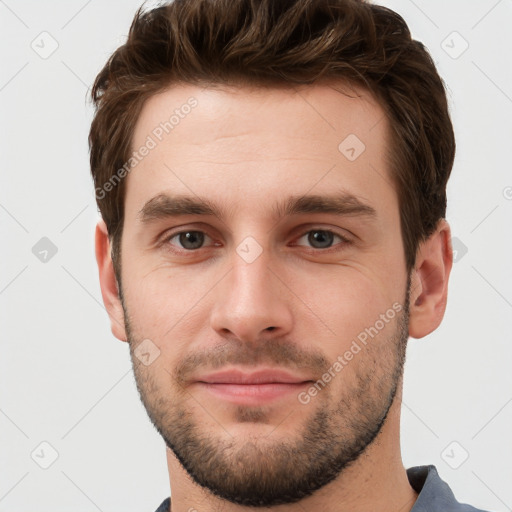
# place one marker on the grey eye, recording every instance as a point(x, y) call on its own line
point(320, 239)
point(190, 239)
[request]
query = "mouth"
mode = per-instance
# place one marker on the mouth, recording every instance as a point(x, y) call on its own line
point(253, 388)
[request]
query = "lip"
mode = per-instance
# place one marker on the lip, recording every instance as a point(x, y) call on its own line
point(265, 376)
point(254, 388)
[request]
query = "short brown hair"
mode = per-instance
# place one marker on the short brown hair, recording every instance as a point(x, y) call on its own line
point(275, 43)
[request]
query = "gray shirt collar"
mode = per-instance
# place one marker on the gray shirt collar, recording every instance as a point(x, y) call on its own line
point(434, 495)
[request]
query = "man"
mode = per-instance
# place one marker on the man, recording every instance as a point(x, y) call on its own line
point(272, 183)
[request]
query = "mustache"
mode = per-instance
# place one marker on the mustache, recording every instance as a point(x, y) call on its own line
point(284, 354)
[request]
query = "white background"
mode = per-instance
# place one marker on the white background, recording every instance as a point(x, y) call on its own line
point(67, 381)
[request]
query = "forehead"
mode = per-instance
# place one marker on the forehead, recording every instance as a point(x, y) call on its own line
point(335, 106)
point(256, 142)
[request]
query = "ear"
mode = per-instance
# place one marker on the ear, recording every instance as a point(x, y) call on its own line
point(108, 283)
point(429, 282)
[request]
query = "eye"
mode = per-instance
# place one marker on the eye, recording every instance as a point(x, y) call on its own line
point(194, 240)
point(321, 238)
point(189, 240)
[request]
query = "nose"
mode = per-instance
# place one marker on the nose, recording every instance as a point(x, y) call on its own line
point(252, 303)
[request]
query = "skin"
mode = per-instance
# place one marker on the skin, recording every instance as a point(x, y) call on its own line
point(244, 150)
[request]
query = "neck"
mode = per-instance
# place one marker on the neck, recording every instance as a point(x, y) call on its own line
point(377, 480)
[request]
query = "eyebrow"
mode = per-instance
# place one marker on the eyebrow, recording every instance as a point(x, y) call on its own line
point(345, 204)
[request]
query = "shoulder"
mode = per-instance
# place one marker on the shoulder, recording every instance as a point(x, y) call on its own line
point(165, 506)
point(434, 494)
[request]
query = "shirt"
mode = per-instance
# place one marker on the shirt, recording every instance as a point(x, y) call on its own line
point(434, 495)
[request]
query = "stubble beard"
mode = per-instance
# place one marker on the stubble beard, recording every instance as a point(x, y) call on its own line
point(277, 468)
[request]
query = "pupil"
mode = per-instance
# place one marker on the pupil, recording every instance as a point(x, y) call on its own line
point(192, 239)
point(324, 238)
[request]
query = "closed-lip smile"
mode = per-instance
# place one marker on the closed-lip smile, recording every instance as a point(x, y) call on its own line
point(265, 376)
point(252, 388)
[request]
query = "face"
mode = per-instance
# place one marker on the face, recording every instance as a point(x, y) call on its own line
point(264, 285)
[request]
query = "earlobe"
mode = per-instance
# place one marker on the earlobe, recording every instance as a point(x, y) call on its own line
point(429, 282)
point(108, 283)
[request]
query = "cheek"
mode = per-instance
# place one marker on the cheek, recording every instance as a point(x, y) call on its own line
point(164, 303)
point(341, 304)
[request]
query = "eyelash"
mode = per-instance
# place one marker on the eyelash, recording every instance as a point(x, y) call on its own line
point(344, 241)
